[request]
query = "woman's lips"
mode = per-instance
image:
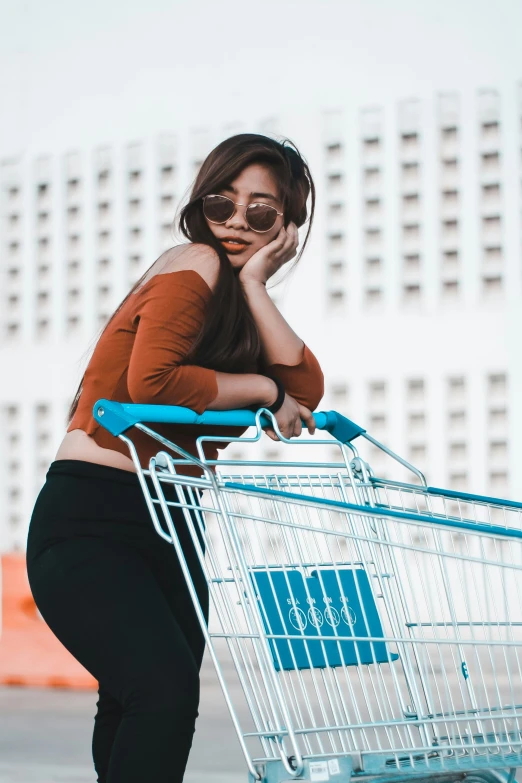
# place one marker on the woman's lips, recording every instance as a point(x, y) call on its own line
point(233, 247)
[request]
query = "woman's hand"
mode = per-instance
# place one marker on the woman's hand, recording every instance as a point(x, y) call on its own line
point(289, 417)
point(265, 263)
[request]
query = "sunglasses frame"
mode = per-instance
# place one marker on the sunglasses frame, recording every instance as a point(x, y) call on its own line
point(239, 204)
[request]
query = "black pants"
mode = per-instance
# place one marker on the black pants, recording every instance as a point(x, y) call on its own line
point(113, 593)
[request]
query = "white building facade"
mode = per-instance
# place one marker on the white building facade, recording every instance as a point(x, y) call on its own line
point(409, 293)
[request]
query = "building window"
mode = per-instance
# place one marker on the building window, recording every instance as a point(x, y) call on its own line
point(73, 295)
point(493, 253)
point(334, 240)
point(491, 191)
point(336, 269)
point(73, 185)
point(416, 422)
point(415, 388)
point(377, 391)
point(373, 235)
point(492, 286)
point(490, 161)
point(457, 418)
point(42, 327)
point(449, 165)
point(410, 140)
point(450, 197)
point(450, 289)
point(498, 449)
point(491, 223)
point(458, 451)
point(335, 180)
point(377, 423)
point(411, 231)
point(42, 411)
point(450, 227)
point(417, 452)
point(498, 480)
point(373, 265)
point(490, 129)
point(167, 173)
point(337, 296)
point(334, 149)
point(410, 169)
point(412, 293)
point(412, 261)
point(459, 481)
point(373, 206)
point(371, 144)
point(450, 257)
point(497, 385)
point(374, 295)
point(372, 175)
point(411, 200)
point(335, 209)
point(73, 321)
point(339, 393)
point(497, 418)
point(456, 389)
point(449, 133)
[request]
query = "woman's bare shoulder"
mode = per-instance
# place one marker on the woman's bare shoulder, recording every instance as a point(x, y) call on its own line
point(196, 256)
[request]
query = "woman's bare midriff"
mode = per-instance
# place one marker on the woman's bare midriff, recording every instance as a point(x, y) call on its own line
point(78, 445)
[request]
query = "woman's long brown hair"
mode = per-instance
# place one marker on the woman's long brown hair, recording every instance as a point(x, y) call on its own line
point(229, 340)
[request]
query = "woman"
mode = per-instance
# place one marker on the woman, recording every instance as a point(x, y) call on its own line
point(198, 330)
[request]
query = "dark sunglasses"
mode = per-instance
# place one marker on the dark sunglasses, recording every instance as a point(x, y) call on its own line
point(259, 217)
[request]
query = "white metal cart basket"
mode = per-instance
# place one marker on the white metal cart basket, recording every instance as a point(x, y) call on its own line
point(375, 627)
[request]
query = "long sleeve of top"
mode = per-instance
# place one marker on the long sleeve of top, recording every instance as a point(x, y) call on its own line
point(140, 358)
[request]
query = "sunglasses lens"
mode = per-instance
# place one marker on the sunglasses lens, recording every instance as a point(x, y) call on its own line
point(217, 209)
point(261, 217)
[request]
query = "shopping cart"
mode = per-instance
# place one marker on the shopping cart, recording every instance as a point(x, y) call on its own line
point(359, 627)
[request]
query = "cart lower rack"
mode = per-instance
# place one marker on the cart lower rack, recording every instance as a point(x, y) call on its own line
point(374, 628)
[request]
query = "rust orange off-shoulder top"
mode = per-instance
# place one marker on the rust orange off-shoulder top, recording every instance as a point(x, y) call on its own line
point(138, 359)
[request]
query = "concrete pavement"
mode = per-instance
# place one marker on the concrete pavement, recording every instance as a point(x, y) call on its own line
point(45, 737)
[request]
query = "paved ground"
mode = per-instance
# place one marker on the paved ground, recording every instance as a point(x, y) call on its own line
point(45, 737)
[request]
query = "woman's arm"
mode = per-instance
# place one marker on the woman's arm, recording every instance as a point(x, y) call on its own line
point(280, 344)
point(169, 315)
point(284, 353)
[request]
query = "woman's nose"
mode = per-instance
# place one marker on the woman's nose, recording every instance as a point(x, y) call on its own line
point(238, 219)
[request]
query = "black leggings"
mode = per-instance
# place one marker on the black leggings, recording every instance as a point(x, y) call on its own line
point(113, 593)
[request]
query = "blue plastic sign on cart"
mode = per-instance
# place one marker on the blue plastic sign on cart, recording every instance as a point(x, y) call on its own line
point(294, 606)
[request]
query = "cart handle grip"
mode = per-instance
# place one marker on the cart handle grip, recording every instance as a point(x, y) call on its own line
point(117, 417)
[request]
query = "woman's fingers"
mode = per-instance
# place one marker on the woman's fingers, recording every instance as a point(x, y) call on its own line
point(308, 418)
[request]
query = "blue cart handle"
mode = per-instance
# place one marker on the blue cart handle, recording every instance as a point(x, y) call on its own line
point(117, 417)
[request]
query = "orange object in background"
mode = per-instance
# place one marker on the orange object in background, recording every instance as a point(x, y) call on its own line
point(30, 654)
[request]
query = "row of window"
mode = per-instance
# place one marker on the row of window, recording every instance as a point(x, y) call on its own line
point(489, 131)
point(492, 287)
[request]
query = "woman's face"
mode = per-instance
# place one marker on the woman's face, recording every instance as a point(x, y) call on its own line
point(255, 183)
